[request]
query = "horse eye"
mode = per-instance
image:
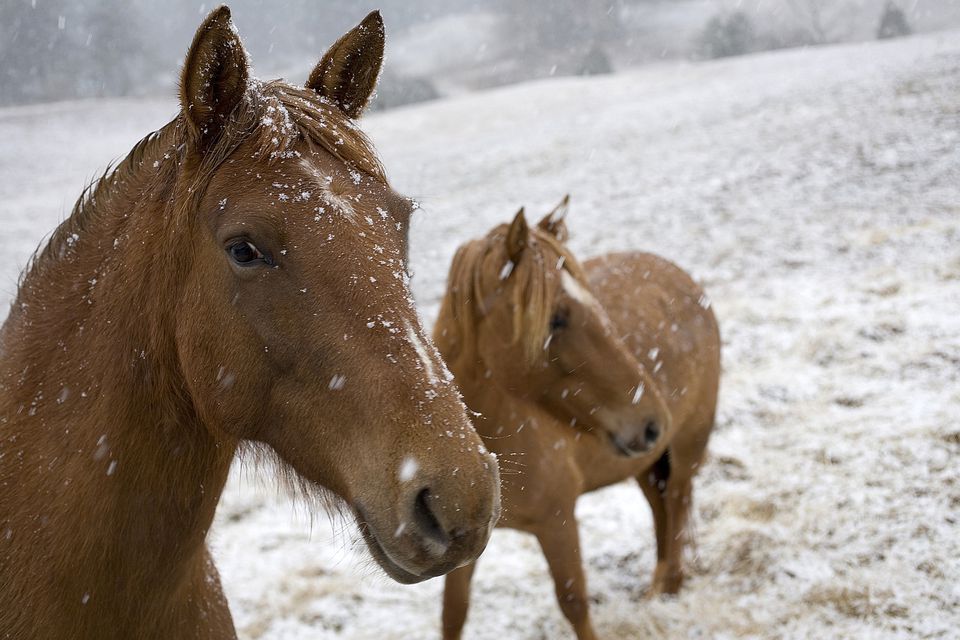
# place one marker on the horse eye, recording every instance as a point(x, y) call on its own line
point(558, 321)
point(244, 252)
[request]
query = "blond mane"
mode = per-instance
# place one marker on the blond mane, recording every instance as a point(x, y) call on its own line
point(482, 271)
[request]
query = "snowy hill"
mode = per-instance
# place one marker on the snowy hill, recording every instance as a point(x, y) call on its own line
point(815, 193)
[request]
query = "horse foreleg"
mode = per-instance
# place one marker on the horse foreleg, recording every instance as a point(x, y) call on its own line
point(456, 601)
point(668, 575)
point(653, 482)
point(668, 493)
point(560, 541)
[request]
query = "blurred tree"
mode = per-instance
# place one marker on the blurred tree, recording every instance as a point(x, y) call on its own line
point(32, 38)
point(595, 62)
point(55, 49)
point(728, 34)
point(811, 14)
point(116, 56)
point(893, 23)
point(828, 21)
point(395, 90)
point(561, 25)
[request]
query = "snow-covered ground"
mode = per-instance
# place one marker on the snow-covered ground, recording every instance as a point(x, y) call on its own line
point(815, 193)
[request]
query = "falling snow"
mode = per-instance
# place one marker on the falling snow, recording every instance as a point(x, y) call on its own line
point(819, 209)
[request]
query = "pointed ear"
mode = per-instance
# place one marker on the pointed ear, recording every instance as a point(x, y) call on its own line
point(347, 74)
point(554, 222)
point(214, 76)
point(517, 236)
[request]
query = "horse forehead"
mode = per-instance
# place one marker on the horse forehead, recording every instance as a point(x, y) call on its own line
point(345, 188)
point(323, 174)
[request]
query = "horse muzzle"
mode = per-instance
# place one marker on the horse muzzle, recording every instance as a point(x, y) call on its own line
point(435, 533)
point(637, 440)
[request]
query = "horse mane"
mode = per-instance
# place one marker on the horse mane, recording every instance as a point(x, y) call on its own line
point(274, 115)
point(480, 272)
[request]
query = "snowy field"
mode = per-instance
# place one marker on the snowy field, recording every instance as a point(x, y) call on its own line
point(816, 194)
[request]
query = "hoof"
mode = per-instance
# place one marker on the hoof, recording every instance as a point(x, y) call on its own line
point(666, 581)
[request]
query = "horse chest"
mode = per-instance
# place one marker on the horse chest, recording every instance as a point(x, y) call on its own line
point(545, 465)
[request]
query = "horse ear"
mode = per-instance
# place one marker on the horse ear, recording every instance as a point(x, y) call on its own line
point(214, 76)
point(517, 236)
point(554, 222)
point(347, 74)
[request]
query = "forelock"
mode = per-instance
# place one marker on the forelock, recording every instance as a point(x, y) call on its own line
point(482, 271)
point(276, 115)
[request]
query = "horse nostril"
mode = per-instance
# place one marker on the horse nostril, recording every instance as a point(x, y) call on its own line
point(651, 433)
point(640, 441)
point(426, 521)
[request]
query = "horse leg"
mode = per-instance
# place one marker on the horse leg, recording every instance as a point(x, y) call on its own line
point(668, 575)
point(560, 541)
point(653, 483)
point(456, 600)
point(668, 487)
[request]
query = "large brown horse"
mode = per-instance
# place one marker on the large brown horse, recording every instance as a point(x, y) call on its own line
point(586, 375)
point(239, 277)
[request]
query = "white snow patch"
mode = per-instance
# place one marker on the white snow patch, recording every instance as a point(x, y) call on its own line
point(422, 353)
point(408, 469)
point(341, 203)
point(576, 290)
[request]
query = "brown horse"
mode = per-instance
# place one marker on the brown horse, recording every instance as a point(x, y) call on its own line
point(586, 375)
point(239, 277)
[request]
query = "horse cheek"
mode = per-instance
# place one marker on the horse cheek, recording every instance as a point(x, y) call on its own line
point(217, 364)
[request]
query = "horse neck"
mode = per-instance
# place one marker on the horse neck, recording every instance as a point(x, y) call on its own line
point(93, 406)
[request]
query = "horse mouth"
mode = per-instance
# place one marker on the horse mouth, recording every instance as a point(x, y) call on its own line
point(620, 449)
point(390, 566)
point(632, 449)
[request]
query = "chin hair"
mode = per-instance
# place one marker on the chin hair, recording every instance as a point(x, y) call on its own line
point(267, 467)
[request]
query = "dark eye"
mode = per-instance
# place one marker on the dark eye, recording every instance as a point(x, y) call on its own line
point(558, 321)
point(244, 252)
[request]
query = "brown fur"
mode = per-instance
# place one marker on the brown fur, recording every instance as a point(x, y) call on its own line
point(139, 355)
point(558, 420)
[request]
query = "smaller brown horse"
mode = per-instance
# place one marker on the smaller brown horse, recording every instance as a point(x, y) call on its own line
point(588, 375)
